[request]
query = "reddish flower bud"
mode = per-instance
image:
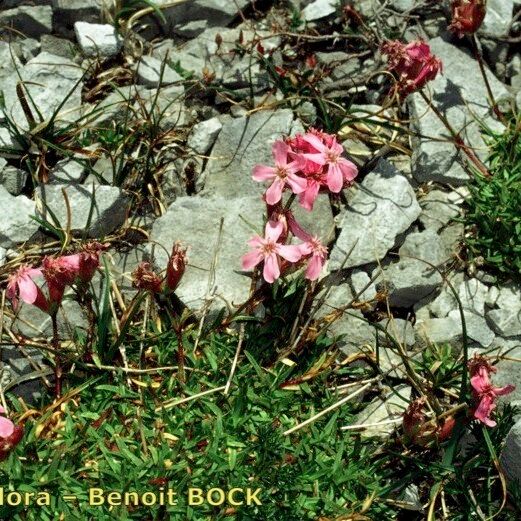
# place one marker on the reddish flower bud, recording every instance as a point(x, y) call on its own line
point(145, 278)
point(467, 16)
point(176, 267)
point(413, 63)
point(10, 435)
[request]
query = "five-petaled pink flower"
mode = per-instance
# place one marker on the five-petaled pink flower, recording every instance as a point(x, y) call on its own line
point(21, 286)
point(10, 435)
point(267, 249)
point(414, 64)
point(282, 174)
point(467, 16)
point(311, 247)
point(483, 391)
point(338, 170)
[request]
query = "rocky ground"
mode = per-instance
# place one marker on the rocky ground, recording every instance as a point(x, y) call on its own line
point(146, 135)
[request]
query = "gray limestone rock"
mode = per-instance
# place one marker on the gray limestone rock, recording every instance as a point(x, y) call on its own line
point(50, 80)
point(462, 101)
point(498, 17)
point(511, 454)
point(241, 144)
point(195, 222)
point(67, 171)
point(383, 207)
point(98, 210)
point(151, 72)
point(16, 227)
point(97, 39)
point(319, 9)
point(203, 135)
point(438, 208)
point(30, 20)
point(13, 179)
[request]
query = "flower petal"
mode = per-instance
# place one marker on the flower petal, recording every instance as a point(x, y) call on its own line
point(296, 183)
point(502, 391)
point(274, 192)
point(271, 270)
point(251, 259)
point(335, 180)
point(263, 173)
point(6, 427)
point(314, 267)
point(349, 170)
point(27, 290)
point(292, 253)
point(315, 142)
point(280, 152)
point(273, 230)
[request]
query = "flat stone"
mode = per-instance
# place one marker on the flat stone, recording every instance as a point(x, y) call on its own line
point(425, 245)
point(97, 39)
point(462, 102)
point(151, 72)
point(9, 63)
point(391, 406)
point(67, 171)
point(16, 226)
point(438, 208)
point(506, 322)
point(383, 206)
point(445, 302)
point(508, 370)
point(12, 178)
point(241, 144)
point(195, 222)
point(204, 134)
point(319, 9)
point(50, 80)
point(509, 297)
point(477, 327)
point(57, 46)
point(21, 372)
point(473, 294)
point(510, 458)
point(30, 20)
point(362, 287)
point(166, 105)
point(498, 18)
point(107, 207)
point(67, 12)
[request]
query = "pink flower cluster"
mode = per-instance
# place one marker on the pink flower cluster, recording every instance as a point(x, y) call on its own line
point(483, 391)
point(305, 165)
point(413, 63)
point(56, 273)
point(10, 435)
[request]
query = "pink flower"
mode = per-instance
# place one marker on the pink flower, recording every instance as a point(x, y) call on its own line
point(59, 272)
point(483, 391)
point(311, 246)
point(467, 16)
point(282, 175)
point(267, 249)
point(10, 435)
point(22, 286)
point(413, 63)
point(338, 170)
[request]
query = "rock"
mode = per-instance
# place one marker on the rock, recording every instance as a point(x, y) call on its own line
point(98, 210)
point(223, 63)
point(452, 237)
point(67, 12)
point(13, 179)
point(473, 295)
point(195, 221)
point(401, 331)
point(204, 134)
point(57, 46)
point(67, 171)
point(97, 39)
point(215, 13)
point(506, 322)
point(390, 406)
point(30, 20)
point(153, 73)
point(21, 372)
point(241, 144)
point(16, 226)
point(477, 327)
point(319, 9)
point(409, 281)
point(319, 222)
point(498, 17)
point(362, 287)
point(404, 5)
point(116, 107)
point(191, 29)
point(50, 80)
point(463, 103)
point(509, 297)
point(167, 112)
point(102, 173)
point(508, 370)
point(383, 207)
point(425, 245)
point(511, 455)
point(410, 497)
point(438, 208)
point(9, 63)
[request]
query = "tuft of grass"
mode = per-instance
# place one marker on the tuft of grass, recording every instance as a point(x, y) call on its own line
point(493, 218)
